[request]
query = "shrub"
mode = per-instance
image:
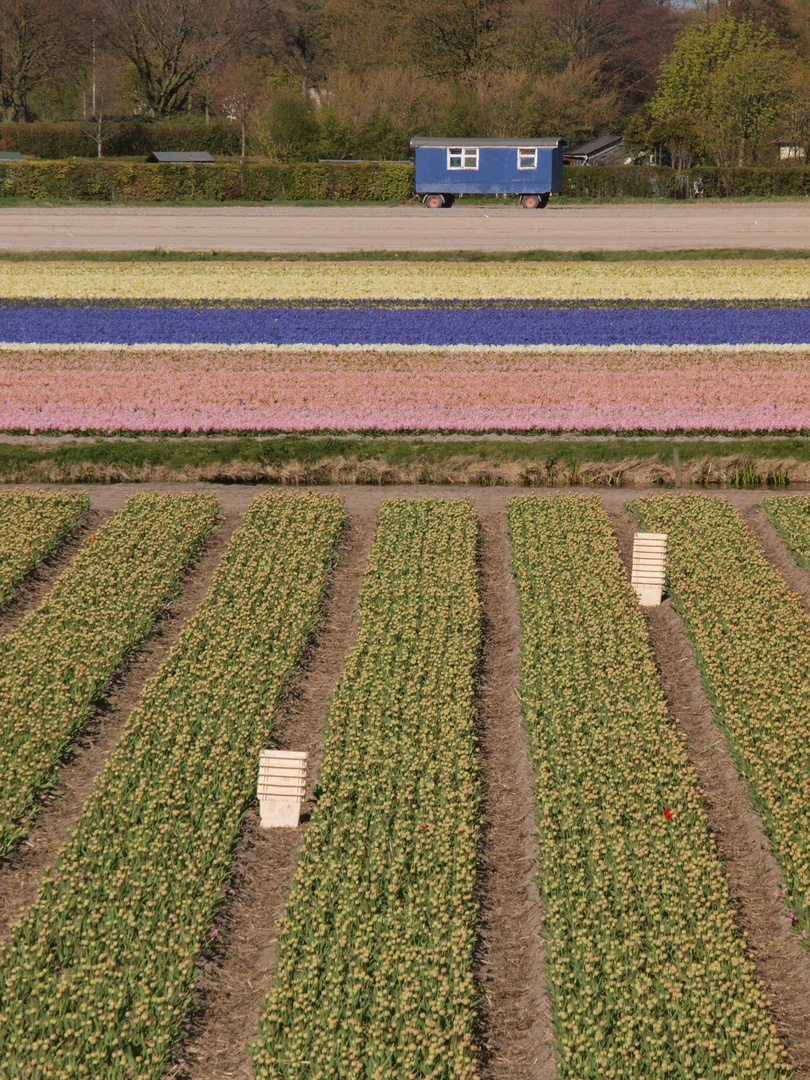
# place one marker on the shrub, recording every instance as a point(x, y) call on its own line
point(220, 182)
point(57, 141)
point(388, 181)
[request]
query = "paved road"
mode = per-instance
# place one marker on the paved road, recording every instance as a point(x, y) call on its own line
point(409, 228)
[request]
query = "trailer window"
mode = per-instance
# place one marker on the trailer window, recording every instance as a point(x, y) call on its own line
point(462, 157)
point(527, 159)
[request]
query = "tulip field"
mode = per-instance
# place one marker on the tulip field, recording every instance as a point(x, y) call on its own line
point(98, 974)
point(377, 972)
point(374, 973)
point(31, 525)
point(648, 974)
point(56, 663)
point(463, 671)
point(791, 516)
point(752, 642)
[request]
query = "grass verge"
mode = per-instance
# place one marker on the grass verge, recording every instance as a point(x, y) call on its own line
point(540, 255)
point(301, 459)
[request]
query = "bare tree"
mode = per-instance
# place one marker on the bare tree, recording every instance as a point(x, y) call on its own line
point(36, 45)
point(107, 121)
point(454, 38)
point(296, 39)
point(629, 36)
point(242, 89)
point(170, 42)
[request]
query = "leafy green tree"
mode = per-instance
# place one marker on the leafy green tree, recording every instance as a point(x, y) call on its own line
point(733, 80)
point(796, 130)
point(680, 136)
point(636, 137)
point(748, 95)
point(685, 81)
point(288, 129)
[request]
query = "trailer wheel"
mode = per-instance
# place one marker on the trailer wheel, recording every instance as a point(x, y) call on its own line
point(531, 202)
point(435, 201)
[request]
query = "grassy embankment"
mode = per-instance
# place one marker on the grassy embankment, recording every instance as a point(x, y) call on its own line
point(301, 459)
point(164, 255)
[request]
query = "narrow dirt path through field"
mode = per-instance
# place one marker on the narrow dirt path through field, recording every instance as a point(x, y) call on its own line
point(235, 974)
point(40, 581)
point(782, 964)
point(777, 552)
point(516, 1018)
point(21, 871)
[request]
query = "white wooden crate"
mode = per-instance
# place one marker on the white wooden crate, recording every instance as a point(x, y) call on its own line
point(282, 783)
point(649, 567)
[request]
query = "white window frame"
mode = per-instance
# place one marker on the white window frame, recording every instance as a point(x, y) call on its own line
point(523, 155)
point(467, 156)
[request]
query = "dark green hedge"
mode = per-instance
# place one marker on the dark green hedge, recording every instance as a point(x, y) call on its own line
point(53, 142)
point(787, 180)
point(608, 181)
point(647, 181)
point(130, 181)
point(386, 181)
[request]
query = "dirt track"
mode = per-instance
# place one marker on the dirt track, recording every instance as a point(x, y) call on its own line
point(409, 228)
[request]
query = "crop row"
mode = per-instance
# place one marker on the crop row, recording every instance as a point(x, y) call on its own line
point(752, 641)
point(406, 326)
point(382, 390)
point(648, 974)
point(98, 975)
point(31, 525)
point(409, 280)
point(326, 303)
point(56, 663)
point(374, 973)
point(791, 516)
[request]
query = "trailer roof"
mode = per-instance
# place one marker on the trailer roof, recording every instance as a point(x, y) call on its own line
point(530, 144)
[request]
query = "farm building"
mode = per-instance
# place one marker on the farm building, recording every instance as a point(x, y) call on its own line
point(606, 150)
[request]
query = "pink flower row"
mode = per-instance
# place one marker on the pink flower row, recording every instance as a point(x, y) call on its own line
point(421, 391)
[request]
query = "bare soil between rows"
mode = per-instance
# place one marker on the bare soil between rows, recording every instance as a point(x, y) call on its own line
point(516, 1036)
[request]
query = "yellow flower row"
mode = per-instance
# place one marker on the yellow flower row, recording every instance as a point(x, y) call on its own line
point(58, 660)
point(31, 525)
point(752, 639)
point(374, 971)
point(408, 281)
point(98, 975)
point(648, 975)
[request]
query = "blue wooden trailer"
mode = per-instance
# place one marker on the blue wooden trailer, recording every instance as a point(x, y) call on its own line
point(529, 168)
